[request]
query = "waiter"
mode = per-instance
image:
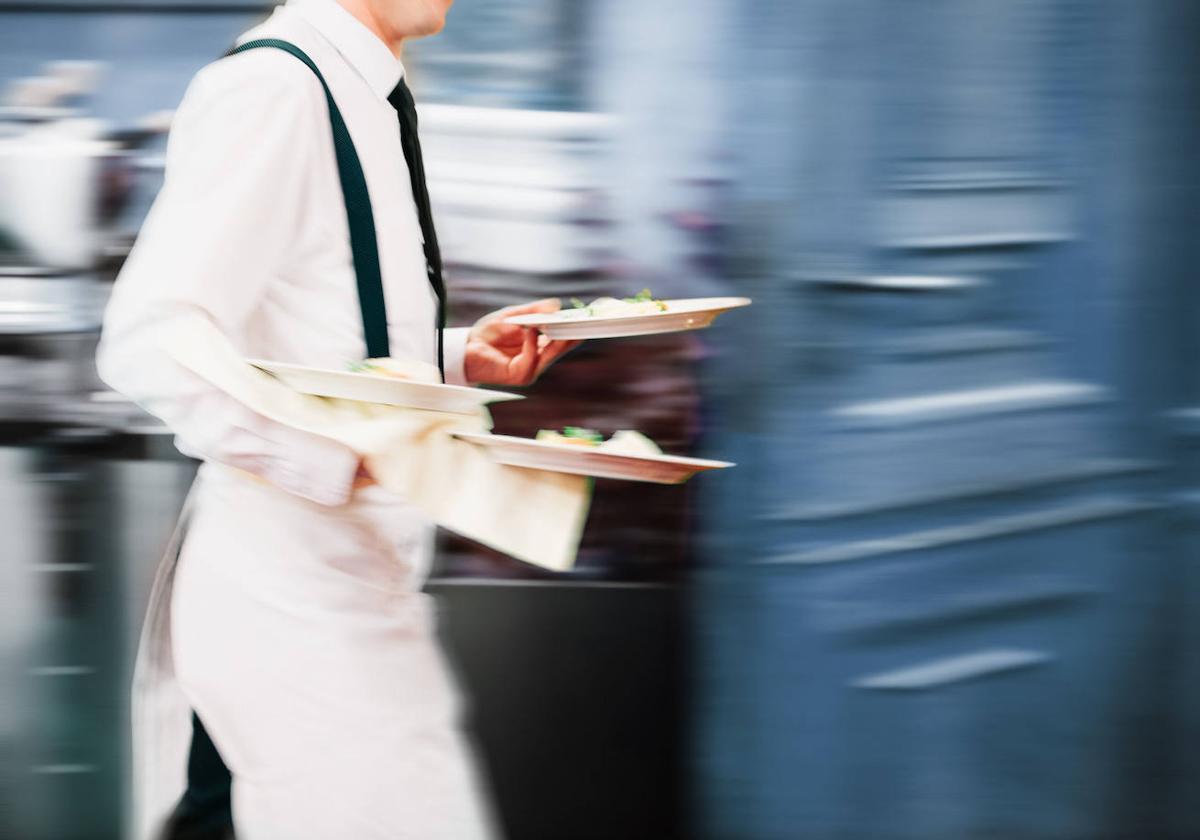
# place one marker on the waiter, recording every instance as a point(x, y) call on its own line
point(297, 629)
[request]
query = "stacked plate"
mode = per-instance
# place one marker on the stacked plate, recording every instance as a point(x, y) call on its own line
point(576, 459)
point(591, 461)
point(385, 390)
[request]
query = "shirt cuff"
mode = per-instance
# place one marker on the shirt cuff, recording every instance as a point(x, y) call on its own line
point(454, 355)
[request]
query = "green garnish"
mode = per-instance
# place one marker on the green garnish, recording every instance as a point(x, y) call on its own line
point(585, 434)
point(604, 306)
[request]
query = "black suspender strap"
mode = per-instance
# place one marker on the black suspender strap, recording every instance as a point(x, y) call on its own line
point(363, 244)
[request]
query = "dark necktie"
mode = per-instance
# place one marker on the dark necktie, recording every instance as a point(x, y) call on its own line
point(402, 100)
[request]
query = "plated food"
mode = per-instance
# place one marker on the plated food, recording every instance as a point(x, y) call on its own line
point(642, 314)
point(625, 441)
point(395, 369)
point(627, 455)
point(643, 303)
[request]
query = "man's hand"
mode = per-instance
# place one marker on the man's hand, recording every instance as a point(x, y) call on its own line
point(505, 354)
point(363, 477)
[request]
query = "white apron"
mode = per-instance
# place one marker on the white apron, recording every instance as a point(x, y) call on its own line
point(298, 634)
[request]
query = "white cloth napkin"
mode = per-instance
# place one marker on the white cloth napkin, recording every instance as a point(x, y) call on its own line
point(533, 515)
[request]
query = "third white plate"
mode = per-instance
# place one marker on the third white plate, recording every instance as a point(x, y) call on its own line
point(592, 461)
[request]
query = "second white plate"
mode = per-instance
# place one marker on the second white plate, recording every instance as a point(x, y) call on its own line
point(681, 314)
point(590, 461)
point(386, 390)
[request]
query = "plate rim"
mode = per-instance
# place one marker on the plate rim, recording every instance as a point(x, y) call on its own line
point(498, 395)
point(546, 319)
point(679, 460)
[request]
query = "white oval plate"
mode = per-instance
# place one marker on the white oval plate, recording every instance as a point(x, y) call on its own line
point(682, 314)
point(580, 460)
point(387, 390)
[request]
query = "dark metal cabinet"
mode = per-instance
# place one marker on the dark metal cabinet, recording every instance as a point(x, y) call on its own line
point(574, 701)
point(1182, 663)
point(939, 594)
point(85, 525)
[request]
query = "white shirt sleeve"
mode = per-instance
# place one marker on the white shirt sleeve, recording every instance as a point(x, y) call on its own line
point(237, 157)
point(454, 351)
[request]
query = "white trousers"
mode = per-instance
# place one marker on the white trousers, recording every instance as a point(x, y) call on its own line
point(300, 638)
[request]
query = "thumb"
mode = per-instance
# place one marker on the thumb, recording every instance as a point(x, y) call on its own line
point(543, 305)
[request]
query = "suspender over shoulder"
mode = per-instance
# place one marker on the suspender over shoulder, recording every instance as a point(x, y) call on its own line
point(363, 243)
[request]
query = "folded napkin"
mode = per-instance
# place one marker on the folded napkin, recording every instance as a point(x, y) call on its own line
point(533, 515)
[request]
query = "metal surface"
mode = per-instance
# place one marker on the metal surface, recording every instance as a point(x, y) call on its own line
point(579, 715)
point(952, 611)
point(84, 529)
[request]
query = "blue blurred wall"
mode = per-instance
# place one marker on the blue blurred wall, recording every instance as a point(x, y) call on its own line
point(951, 589)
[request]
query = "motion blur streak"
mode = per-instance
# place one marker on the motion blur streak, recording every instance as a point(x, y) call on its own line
point(951, 589)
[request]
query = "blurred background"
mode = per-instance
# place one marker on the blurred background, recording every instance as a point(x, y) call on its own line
point(952, 588)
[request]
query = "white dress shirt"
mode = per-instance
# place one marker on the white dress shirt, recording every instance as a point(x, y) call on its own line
point(291, 618)
point(250, 230)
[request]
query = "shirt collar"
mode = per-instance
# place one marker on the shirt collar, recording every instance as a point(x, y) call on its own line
point(362, 48)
